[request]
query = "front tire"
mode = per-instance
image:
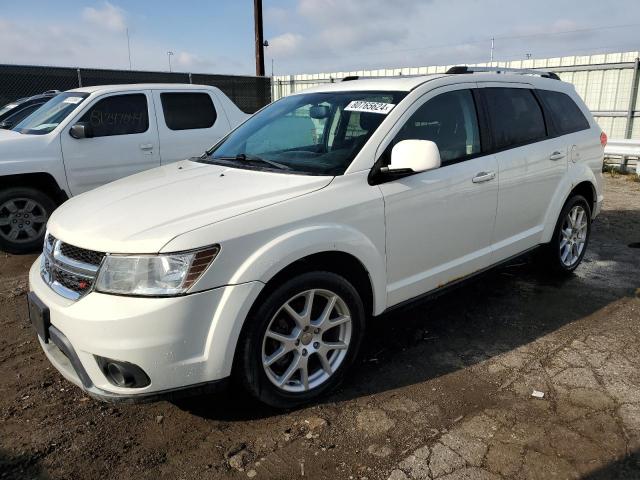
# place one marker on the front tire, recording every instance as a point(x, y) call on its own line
point(570, 237)
point(301, 339)
point(24, 212)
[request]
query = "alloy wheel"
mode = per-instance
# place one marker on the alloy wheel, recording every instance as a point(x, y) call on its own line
point(307, 340)
point(573, 236)
point(22, 220)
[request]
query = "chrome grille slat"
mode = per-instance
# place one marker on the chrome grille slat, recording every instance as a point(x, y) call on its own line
point(69, 270)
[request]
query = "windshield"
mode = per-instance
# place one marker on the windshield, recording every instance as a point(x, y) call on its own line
point(49, 115)
point(315, 133)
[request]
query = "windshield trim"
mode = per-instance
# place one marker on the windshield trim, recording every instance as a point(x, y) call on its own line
point(241, 165)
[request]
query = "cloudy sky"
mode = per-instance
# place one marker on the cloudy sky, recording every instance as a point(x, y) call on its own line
point(308, 36)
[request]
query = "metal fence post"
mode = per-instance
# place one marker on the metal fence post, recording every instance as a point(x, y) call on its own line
point(630, 111)
point(190, 79)
point(79, 77)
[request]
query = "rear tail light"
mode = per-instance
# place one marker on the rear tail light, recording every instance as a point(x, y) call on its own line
point(603, 139)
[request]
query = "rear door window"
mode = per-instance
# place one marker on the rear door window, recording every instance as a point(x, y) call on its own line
point(118, 115)
point(565, 114)
point(516, 116)
point(187, 110)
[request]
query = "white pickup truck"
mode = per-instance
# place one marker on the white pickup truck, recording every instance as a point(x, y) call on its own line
point(90, 136)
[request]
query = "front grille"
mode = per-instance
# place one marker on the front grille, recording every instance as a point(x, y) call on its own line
point(69, 270)
point(82, 255)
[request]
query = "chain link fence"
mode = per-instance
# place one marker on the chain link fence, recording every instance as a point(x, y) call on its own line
point(17, 81)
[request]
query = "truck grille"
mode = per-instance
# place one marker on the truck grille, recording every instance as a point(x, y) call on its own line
point(70, 271)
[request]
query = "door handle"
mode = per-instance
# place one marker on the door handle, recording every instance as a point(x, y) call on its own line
point(484, 177)
point(146, 146)
point(557, 156)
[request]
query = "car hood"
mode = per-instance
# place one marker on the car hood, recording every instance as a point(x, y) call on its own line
point(13, 142)
point(6, 134)
point(142, 213)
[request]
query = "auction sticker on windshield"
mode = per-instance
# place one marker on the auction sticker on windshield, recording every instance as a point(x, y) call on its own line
point(72, 100)
point(371, 107)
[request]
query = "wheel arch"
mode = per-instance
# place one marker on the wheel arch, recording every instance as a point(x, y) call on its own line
point(334, 261)
point(587, 190)
point(42, 181)
point(582, 181)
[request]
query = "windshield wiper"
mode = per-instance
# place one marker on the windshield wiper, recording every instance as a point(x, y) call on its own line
point(245, 158)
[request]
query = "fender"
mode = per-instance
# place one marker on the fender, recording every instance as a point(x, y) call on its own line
point(33, 154)
point(261, 266)
point(298, 244)
point(576, 174)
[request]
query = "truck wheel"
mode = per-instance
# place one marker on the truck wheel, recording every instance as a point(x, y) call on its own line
point(300, 341)
point(24, 212)
point(571, 236)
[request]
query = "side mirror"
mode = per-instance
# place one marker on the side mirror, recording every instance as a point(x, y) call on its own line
point(415, 156)
point(7, 124)
point(81, 130)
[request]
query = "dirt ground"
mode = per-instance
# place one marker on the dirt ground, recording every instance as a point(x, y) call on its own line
point(443, 390)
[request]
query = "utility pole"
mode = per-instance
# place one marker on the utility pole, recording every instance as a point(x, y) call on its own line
point(129, 48)
point(492, 43)
point(257, 16)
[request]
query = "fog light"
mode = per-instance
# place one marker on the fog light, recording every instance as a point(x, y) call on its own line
point(123, 374)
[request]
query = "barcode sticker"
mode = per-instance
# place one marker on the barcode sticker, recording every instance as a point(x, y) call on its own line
point(370, 107)
point(73, 100)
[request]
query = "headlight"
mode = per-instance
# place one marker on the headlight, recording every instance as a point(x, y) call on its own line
point(153, 275)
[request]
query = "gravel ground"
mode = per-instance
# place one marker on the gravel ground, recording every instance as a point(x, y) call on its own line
point(443, 390)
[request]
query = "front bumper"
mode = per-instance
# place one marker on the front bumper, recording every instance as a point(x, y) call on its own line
point(180, 342)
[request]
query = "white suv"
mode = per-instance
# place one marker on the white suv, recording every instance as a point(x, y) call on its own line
point(263, 259)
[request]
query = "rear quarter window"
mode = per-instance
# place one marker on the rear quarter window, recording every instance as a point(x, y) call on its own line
point(566, 116)
point(188, 110)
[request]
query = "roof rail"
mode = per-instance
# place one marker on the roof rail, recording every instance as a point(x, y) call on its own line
point(371, 77)
point(461, 69)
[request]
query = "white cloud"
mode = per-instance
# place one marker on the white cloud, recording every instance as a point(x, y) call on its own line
point(109, 17)
point(287, 45)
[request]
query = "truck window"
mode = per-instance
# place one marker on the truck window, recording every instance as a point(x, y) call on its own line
point(566, 115)
point(188, 111)
point(516, 116)
point(118, 115)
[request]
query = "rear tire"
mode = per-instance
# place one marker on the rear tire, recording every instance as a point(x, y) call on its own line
point(567, 247)
point(24, 212)
point(301, 339)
